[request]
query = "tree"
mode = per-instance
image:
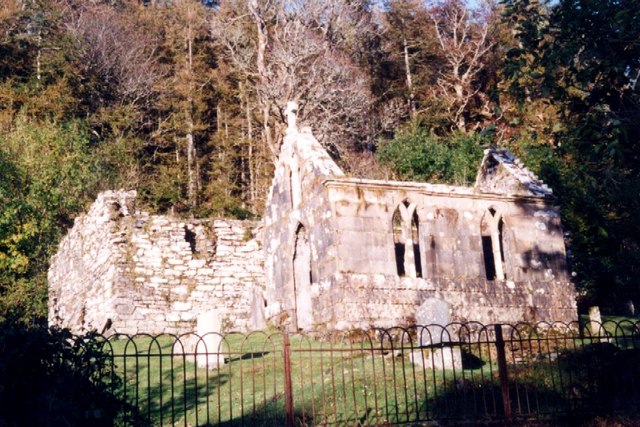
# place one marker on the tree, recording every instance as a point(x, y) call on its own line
point(117, 52)
point(596, 61)
point(49, 172)
point(299, 52)
point(186, 81)
point(418, 155)
point(332, 92)
point(529, 115)
point(405, 37)
point(463, 36)
point(581, 59)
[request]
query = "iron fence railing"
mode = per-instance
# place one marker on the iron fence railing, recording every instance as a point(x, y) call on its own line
point(462, 372)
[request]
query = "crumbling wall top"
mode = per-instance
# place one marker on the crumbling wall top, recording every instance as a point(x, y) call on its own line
point(501, 172)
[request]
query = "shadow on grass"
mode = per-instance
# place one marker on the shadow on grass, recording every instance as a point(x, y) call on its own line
point(170, 389)
point(598, 380)
point(172, 392)
point(245, 356)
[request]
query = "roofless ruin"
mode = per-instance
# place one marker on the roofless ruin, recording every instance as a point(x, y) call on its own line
point(332, 252)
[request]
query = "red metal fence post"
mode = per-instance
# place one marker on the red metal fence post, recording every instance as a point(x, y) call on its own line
point(502, 371)
point(288, 389)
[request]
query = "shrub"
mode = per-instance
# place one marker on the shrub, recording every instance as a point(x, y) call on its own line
point(417, 155)
point(48, 378)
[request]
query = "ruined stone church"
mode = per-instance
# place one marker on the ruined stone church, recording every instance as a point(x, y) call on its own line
point(332, 252)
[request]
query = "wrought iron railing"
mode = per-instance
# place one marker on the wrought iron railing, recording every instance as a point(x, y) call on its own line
point(466, 372)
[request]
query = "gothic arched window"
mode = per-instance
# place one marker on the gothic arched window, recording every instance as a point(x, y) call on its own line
point(406, 240)
point(492, 232)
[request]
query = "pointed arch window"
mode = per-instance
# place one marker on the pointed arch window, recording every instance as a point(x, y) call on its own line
point(406, 240)
point(302, 279)
point(492, 232)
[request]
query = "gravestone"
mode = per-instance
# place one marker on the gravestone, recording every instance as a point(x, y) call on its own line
point(204, 345)
point(595, 321)
point(630, 309)
point(433, 311)
point(208, 329)
point(434, 315)
point(258, 321)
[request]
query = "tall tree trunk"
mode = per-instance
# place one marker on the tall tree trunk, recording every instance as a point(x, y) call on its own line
point(267, 132)
point(192, 175)
point(192, 187)
point(252, 178)
point(38, 65)
point(407, 67)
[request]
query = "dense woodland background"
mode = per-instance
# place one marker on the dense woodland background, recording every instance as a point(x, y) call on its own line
point(183, 100)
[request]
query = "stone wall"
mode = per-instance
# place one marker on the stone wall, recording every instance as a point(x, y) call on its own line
point(297, 206)
point(386, 300)
point(367, 289)
point(154, 274)
point(344, 253)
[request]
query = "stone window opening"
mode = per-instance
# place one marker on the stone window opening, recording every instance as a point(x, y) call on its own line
point(201, 239)
point(492, 232)
point(302, 279)
point(406, 240)
point(190, 237)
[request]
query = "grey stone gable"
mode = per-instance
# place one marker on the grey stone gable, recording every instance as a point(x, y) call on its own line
point(502, 173)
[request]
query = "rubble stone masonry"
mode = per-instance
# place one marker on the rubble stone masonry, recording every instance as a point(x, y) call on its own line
point(153, 274)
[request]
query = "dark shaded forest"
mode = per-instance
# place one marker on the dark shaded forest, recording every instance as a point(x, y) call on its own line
point(183, 101)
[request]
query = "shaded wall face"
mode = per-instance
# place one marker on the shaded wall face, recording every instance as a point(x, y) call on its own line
point(492, 258)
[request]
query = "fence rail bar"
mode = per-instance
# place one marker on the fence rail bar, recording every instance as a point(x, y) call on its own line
point(288, 387)
point(503, 373)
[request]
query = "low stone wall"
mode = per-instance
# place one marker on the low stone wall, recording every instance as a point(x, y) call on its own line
point(154, 274)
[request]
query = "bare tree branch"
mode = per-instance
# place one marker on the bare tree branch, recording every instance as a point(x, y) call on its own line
point(464, 45)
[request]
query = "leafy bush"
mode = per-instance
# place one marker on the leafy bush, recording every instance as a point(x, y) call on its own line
point(49, 379)
point(48, 172)
point(417, 155)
